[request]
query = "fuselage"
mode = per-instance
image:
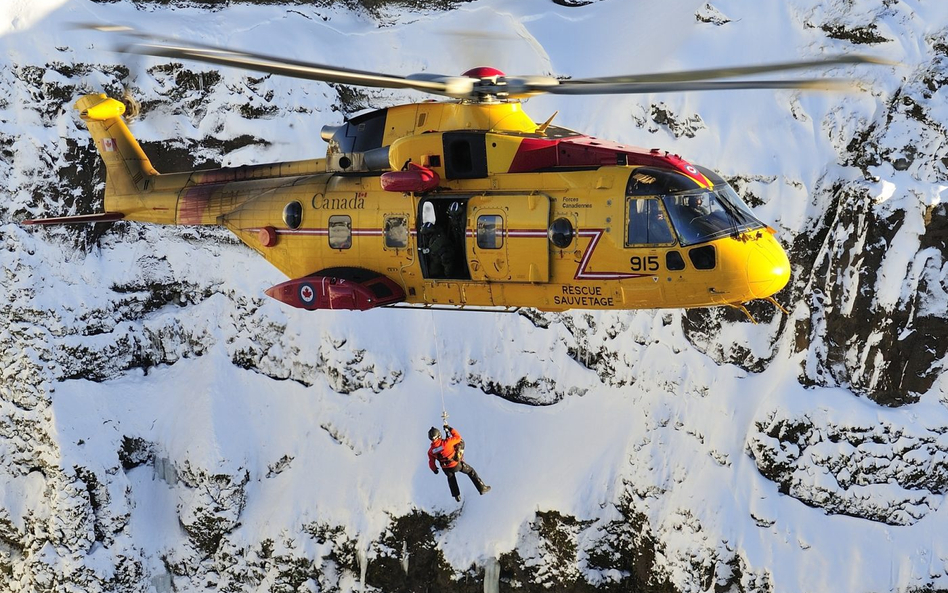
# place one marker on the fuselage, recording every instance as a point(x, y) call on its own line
point(476, 205)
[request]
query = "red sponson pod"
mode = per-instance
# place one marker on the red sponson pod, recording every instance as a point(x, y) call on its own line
point(363, 290)
point(415, 178)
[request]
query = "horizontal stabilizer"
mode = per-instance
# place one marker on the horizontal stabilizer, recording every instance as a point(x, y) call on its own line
point(81, 219)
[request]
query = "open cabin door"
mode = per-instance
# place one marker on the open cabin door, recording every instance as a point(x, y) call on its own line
point(507, 237)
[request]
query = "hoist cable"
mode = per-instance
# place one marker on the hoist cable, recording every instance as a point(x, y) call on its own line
point(434, 325)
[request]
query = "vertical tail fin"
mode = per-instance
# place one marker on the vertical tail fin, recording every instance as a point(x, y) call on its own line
point(128, 170)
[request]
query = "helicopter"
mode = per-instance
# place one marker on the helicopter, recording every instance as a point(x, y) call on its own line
point(467, 203)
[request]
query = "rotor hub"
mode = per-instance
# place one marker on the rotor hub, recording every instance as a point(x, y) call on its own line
point(491, 85)
point(483, 72)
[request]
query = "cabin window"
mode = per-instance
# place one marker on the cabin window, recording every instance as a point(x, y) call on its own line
point(647, 223)
point(396, 232)
point(490, 231)
point(702, 257)
point(561, 233)
point(674, 261)
point(293, 215)
point(340, 232)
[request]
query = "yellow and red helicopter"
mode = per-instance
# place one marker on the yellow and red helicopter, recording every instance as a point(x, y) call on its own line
point(469, 202)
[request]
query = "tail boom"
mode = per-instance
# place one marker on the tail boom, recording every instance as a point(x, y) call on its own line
point(135, 191)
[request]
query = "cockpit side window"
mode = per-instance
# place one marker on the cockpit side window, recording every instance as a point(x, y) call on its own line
point(646, 223)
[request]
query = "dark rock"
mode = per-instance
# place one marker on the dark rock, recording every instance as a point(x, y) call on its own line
point(862, 35)
point(710, 14)
point(900, 361)
point(539, 392)
point(135, 451)
point(213, 506)
point(414, 535)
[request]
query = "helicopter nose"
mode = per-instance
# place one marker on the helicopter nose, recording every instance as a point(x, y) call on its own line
point(768, 268)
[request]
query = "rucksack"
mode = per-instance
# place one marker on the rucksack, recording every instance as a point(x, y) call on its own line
point(458, 453)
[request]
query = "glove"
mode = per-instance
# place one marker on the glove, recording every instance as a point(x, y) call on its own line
point(435, 471)
point(448, 430)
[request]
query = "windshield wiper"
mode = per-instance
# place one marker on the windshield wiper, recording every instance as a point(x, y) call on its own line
point(733, 213)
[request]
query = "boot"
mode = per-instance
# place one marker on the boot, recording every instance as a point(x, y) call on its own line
point(478, 482)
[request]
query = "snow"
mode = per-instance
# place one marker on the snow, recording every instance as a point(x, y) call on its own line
point(23, 15)
point(670, 422)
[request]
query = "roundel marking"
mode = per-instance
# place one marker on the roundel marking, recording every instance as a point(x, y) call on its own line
point(691, 169)
point(307, 294)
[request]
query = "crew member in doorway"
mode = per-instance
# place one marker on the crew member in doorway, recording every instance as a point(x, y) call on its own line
point(449, 453)
point(442, 255)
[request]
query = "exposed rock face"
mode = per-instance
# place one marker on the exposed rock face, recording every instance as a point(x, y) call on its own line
point(709, 14)
point(875, 333)
point(616, 556)
point(213, 508)
point(839, 468)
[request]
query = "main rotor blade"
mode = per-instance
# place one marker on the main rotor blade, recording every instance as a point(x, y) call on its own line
point(633, 88)
point(441, 85)
point(463, 87)
point(731, 72)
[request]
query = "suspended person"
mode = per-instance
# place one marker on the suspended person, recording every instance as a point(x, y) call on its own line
point(449, 453)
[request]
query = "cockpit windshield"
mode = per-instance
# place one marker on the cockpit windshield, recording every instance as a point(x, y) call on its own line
point(706, 214)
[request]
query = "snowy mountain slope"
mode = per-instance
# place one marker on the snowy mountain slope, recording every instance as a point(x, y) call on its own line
point(166, 425)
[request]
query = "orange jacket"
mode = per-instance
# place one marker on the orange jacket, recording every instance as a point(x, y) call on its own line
point(443, 451)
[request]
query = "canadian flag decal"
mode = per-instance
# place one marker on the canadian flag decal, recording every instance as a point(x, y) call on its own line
point(108, 144)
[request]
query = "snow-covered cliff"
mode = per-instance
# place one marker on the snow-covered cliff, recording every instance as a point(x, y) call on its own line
point(164, 426)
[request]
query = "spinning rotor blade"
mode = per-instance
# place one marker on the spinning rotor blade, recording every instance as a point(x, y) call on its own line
point(500, 86)
point(451, 86)
point(151, 45)
point(633, 88)
point(732, 72)
point(693, 80)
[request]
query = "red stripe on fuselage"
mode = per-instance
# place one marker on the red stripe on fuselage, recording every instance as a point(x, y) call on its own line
point(319, 231)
